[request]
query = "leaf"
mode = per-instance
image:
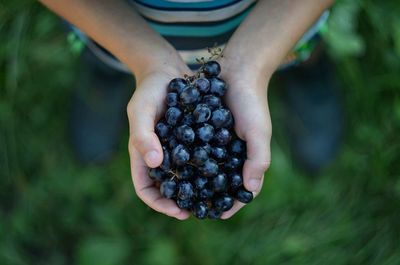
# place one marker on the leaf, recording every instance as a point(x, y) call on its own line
point(342, 36)
point(162, 252)
point(102, 251)
point(396, 35)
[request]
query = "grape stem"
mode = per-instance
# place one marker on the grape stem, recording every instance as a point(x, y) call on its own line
point(174, 175)
point(215, 53)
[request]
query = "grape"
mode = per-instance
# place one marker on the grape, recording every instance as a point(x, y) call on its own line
point(202, 155)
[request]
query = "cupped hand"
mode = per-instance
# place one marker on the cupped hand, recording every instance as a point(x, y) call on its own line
point(145, 108)
point(247, 99)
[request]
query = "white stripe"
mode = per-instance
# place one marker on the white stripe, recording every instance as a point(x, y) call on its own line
point(192, 16)
point(189, 56)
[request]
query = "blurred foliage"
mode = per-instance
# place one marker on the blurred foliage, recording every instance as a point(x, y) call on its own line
point(55, 211)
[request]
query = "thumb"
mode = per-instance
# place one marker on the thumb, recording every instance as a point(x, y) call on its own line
point(258, 159)
point(142, 135)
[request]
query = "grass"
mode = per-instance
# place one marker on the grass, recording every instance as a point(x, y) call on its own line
point(55, 211)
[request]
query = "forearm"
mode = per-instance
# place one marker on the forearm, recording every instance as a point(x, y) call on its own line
point(269, 33)
point(117, 27)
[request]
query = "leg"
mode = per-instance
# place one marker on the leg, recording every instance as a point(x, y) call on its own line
point(315, 120)
point(98, 109)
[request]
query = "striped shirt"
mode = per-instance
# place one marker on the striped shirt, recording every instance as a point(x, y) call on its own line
point(193, 25)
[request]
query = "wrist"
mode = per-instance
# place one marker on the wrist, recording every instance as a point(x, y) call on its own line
point(166, 61)
point(242, 73)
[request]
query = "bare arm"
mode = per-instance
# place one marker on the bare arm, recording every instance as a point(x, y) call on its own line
point(251, 56)
point(270, 31)
point(118, 28)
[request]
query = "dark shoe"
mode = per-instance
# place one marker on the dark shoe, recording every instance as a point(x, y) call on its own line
point(98, 112)
point(314, 118)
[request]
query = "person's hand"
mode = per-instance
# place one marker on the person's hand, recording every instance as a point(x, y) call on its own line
point(144, 109)
point(247, 99)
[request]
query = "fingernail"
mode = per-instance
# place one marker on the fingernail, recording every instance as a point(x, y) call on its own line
point(254, 184)
point(151, 158)
point(176, 212)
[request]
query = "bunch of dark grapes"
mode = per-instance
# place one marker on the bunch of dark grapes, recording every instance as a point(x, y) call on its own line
point(203, 157)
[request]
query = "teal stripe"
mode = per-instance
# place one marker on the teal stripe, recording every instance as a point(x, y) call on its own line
point(166, 4)
point(199, 31)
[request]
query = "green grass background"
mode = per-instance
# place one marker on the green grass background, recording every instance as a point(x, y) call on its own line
point(55, 211)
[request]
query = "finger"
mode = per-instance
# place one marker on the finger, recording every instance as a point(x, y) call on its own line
point(258, 158)
point(142, 135)
point(153, 198)
point(236, 207)
point(149, 194)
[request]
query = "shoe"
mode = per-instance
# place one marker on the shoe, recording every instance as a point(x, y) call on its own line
point(98, 109)
point(314, 119)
